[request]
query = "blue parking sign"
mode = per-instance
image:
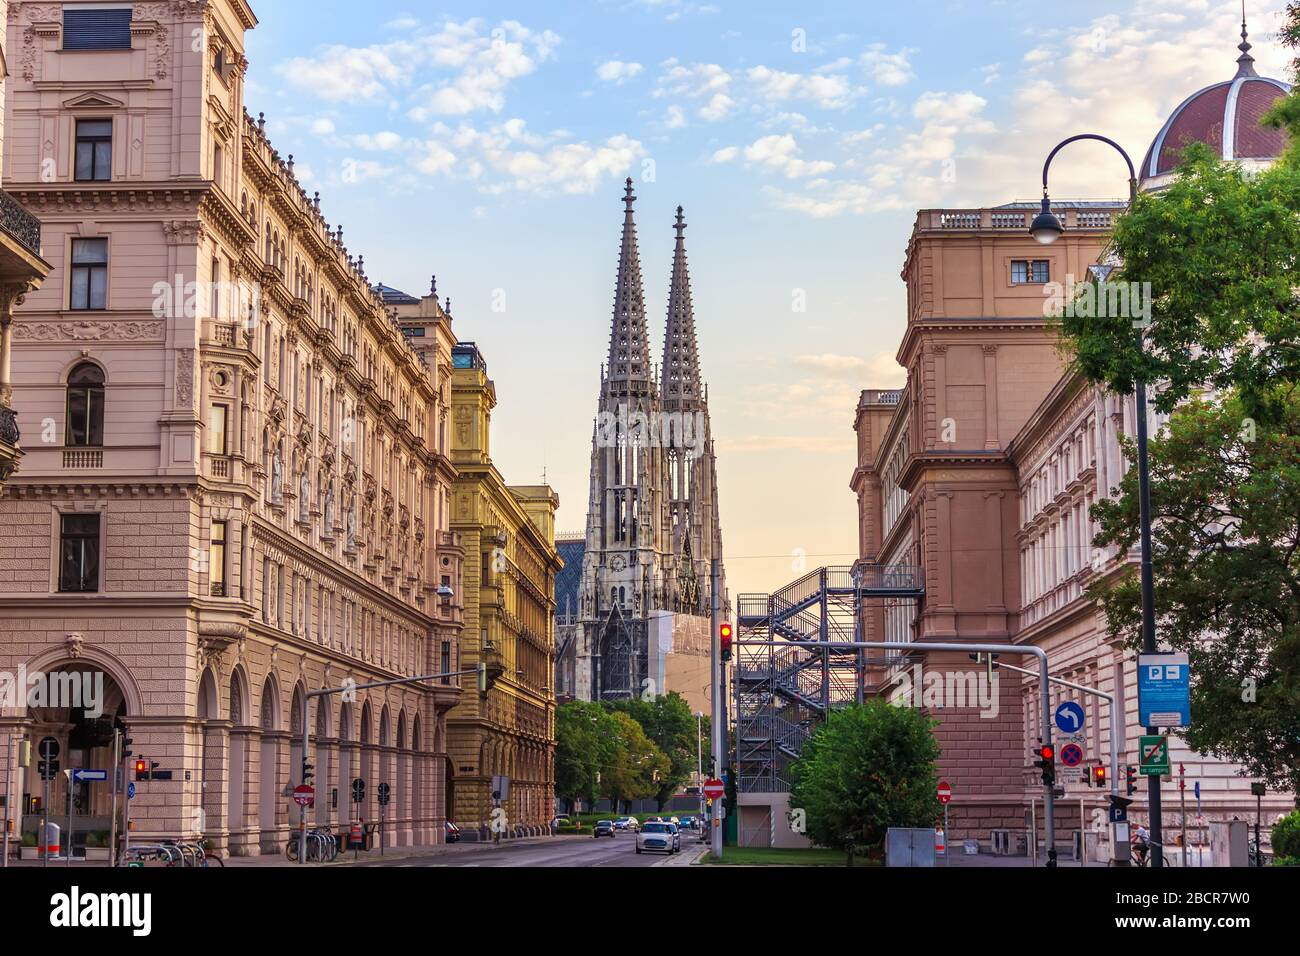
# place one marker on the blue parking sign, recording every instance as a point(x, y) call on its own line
point(1164, 690)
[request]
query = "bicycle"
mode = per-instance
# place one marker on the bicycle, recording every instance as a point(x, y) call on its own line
point(1142, 857)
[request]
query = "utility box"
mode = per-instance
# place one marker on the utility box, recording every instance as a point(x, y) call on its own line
point(907, 846)
point(1000, 841)
point(1229, 843)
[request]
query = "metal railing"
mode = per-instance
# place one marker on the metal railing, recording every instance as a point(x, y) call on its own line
point(19, 223)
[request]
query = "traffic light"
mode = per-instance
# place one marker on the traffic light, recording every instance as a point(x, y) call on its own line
point(482, 678)
point(307, 774)
point(1130, 779)
point(144, 768)
point(1046, 762)
point(724, 638)
point(1097, 777)
point(126, 748)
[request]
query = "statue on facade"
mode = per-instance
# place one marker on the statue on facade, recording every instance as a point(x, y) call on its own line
point(352, 526)
point(277, 479)
point(329, 511)
point(304, 495)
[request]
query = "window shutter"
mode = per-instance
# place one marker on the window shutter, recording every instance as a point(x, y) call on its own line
point(97, 29)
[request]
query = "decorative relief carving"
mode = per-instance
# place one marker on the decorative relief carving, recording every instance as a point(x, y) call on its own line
point(185, 377)
point(85, 331)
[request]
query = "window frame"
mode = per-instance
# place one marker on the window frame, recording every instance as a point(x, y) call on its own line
point(91, 587)
point(93, 141)
point(94, 411)
point(90, 268)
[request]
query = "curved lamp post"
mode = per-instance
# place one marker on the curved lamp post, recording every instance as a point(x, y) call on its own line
point(1046, 229)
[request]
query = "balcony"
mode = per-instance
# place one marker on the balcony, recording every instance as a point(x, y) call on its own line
point(19, 224)
point(9, 451)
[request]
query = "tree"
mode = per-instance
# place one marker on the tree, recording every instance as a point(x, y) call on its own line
point(667, 720)
point(867, 768)
point(584, 743)
point(637, 763)
point(1226, 564)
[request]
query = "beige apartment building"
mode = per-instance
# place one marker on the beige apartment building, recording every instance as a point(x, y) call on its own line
point(21, 270)
point(982, 470)
point(236, 482)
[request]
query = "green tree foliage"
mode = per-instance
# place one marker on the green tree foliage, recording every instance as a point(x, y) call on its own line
point(1225, 499)
point(584, 743)
point(667, 720)
point(1285, 837)
point(867, 768)
point(637, 764)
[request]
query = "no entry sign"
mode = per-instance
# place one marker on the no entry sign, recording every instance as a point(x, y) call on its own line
point(713, 788)
point(304, 795)
point(944, 791)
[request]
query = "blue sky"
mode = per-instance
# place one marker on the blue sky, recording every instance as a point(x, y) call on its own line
point(486, 143)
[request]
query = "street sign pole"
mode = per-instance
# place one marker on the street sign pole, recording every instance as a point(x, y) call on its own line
point(715, 661)
point(1182, 810)
point(9, 789)
point(68, 859)
point(114, 771)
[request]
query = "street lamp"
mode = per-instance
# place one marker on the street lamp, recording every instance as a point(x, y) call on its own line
point(1046, 229)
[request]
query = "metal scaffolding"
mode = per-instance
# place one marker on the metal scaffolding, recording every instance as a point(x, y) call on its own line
point(783, 689)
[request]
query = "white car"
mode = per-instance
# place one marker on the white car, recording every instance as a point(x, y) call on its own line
point(626, 823)
point(659, 837)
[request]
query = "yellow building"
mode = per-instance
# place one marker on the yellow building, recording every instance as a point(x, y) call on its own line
point(509, 598)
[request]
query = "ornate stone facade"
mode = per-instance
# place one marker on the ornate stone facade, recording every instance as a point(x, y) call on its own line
point(257, 452)
point(653, 527)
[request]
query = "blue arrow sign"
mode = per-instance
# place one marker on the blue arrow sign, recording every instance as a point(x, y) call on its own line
point(1069, 717)
point(85, 776)
point(130, 790)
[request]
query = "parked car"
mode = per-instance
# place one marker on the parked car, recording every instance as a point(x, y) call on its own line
point(659, 837)
point(453, 832)
point(689, 823)
point(626, 823)
point(604, 828)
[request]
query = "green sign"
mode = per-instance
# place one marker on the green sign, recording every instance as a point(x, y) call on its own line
point(1155, 756)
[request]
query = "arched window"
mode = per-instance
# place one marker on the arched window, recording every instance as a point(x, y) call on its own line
point(85, 418)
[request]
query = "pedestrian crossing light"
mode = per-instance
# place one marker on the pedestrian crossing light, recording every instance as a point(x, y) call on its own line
point(1099, 777)
point(1046, 762)
point(724, 638)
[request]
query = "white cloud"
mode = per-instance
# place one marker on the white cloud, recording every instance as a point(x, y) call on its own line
point(675, 118)
point(717, 108)
point(322, 127)
point(725, 155)
point(617, 72)
point(780, 153)
point(777, 86)
point(887, 69)
point(383, 141)
point(482, 64)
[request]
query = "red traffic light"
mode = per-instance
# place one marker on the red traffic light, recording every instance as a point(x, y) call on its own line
point(724, 630)
point(141, 766)
point(1047, 752)
point(724, 640)
point(1099, 776)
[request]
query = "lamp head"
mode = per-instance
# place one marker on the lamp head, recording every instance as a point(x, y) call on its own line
point(1046, 227)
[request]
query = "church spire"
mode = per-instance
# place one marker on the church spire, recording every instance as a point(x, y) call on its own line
point(1245, 62)
point(628, 372)
point(680, 370)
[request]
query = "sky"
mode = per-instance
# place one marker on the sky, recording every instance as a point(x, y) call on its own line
point(486, 142)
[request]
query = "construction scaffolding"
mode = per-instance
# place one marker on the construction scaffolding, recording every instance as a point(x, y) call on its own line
point(784, 690)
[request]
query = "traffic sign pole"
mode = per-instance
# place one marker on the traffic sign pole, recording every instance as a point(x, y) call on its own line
point(719, 708)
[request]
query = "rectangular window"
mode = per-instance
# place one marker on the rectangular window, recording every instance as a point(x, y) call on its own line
point(217, 429)
point(217, 559)
point(94, 159)
point(89, 274)
point(1030, 271)
point(79, 553)
point(446, 661)
point(214, 290)
point(97, 29)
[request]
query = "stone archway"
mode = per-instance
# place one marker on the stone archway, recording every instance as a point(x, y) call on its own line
point(78, 699)
point(269, 765)
point(237, 776)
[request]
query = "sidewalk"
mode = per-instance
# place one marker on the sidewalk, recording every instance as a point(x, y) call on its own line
point(345, 858)
point(689, 856)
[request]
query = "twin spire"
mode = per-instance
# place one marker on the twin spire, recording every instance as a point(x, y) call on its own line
point(628, 371)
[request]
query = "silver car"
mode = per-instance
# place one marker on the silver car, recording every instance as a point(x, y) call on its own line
point(659, 837)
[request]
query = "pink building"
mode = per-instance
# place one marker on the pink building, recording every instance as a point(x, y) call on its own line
point(236, 479)
point(982, 470)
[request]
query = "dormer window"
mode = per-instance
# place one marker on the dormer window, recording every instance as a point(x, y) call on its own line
point(96, 29)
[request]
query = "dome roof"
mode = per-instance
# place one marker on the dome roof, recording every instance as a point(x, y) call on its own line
point(1225, 116)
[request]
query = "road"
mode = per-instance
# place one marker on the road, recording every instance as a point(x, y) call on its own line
point(555, 851)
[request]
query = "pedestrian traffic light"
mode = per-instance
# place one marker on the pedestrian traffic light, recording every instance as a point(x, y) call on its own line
point(144, 769)
point(141, 767)
point(1046, 762)
point(724, 639)
point(1098, 777)
point(1130, 779)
